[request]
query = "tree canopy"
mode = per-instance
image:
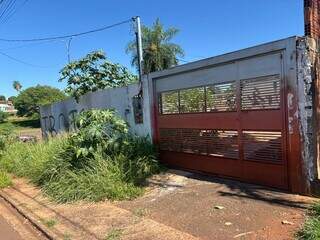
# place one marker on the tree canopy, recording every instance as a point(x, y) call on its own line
point(158, 51)
point(2, 98)
point(94, 72)
point(28, 101)
point(12, 98)
point(17, 85)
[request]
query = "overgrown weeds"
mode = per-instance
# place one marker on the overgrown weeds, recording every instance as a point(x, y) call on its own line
point(311, 228)
point(102, 160)
point(5, 180)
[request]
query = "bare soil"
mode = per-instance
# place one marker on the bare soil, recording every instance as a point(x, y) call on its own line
point(213, 208)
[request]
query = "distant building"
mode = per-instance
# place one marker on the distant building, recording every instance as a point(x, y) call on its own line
point(7, 106)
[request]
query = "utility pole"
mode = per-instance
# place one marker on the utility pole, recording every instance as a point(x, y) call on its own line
point(139, 45)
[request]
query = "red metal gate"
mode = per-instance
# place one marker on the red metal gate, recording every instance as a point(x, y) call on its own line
point(235, 128)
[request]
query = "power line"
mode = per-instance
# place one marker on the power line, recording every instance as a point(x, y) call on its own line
point(7, 8)
point(13, 12)
point(67, 36)
point(21, 61)
point(30, 44)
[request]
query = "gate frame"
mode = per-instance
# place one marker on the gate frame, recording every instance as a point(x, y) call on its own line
point(297, 180)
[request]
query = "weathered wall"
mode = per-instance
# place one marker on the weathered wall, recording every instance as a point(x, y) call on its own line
point(59, 117)
point(306, 48)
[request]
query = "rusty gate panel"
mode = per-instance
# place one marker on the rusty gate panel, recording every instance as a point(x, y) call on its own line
point(233, 128)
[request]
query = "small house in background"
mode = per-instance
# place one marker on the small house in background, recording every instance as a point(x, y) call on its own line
point(7, 106)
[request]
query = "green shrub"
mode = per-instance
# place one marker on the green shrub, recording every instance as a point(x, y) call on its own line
point(5, 180)
point(102, 160)
point(3, 116)
point(99, 130)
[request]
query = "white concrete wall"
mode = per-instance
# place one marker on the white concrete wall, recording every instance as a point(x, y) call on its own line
point(58, 117)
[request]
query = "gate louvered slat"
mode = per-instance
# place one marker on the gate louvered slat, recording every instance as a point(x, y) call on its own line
point(260, 93)
point(262, 146)
point(219, 143)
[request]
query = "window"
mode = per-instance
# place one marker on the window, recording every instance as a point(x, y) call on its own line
point(192, 100)
point(169, 102)
point(221, 97)
point(214, 98)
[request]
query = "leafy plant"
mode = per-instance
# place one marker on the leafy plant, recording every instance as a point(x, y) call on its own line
point(94, 72)
point(158, 51)
point(99, 130)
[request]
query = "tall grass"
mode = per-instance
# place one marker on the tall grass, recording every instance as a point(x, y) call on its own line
point(102, 160)
point(30, 159)
point(5, 180)
point(311, 228)
point(51, 165)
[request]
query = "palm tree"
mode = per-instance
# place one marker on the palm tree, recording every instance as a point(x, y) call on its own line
point(17, 86)
point(158, 51)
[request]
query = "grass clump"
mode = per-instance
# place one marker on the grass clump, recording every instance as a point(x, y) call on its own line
point(102, 160)
point(114, 234)
point(5, 180)
point(50, 223)
point(311, 228)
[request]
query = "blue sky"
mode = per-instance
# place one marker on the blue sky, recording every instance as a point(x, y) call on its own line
point(208, 28)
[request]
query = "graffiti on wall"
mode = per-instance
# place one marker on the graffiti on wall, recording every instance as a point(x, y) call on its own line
point(52, 126)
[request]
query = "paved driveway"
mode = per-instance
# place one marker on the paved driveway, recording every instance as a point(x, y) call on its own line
point(213, 208)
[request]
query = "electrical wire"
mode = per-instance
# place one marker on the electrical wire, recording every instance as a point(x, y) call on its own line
point(10, 6)
point(67, 36)
point(13, 12)
point(22, 62)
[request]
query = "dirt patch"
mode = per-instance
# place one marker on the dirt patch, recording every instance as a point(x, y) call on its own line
point(212, 208)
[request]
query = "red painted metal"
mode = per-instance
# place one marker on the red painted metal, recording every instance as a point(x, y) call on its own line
point(272, 173)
